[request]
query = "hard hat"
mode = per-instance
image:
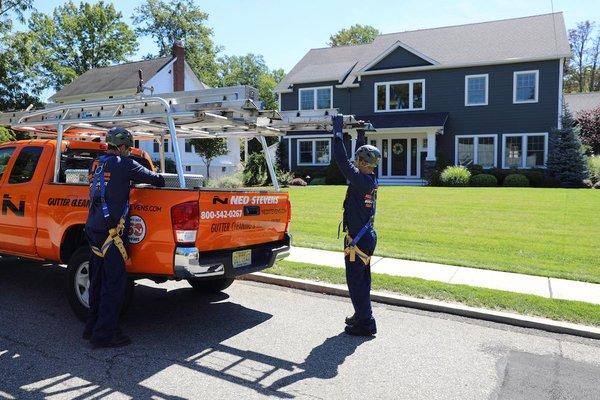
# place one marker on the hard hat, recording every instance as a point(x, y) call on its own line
point(369, 154)
point(118, 136)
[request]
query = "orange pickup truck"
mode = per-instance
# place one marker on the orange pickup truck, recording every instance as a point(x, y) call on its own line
point(206, 236)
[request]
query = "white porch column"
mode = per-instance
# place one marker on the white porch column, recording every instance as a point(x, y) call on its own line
point(430, 146)
point(353, 137)
point(245, 149)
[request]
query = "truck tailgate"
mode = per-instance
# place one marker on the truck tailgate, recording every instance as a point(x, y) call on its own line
point(235, 219)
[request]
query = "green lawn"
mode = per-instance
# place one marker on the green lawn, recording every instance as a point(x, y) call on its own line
point(548, 232)
point(560, 310)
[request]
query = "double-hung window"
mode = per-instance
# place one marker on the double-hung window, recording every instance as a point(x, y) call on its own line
point(314, 151)
point(475, 149)
point(318, 98)
point(400, 96)
point(525, 86)
point(476, 90)
point(526, 150)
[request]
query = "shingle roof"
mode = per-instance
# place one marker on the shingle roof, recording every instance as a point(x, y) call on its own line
point(577, 102)
point(115, 77)
point(526, 38)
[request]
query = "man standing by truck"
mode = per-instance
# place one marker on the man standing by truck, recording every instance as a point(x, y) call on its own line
point(359, 214)
point(106, 230)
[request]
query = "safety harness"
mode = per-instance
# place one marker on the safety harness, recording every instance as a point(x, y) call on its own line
point(351, 249)
point(114, 234)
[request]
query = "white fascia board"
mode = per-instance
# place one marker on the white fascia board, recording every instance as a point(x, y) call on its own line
point(465, 65)
point(393, 47)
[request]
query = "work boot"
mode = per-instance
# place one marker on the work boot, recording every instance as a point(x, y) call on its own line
point(358, 330)
point(351, 320)
point(118, 340)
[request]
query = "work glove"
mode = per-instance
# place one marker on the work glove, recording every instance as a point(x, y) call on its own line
point(338, 126)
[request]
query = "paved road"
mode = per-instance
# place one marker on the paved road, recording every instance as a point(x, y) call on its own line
point(257, 341)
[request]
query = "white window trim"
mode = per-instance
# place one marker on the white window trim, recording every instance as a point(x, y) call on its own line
point(524, 139)
point(475, 147)
point(487, 87)
point(314, 89)
point(387, 95)
point(537, 86)
point(314, 152)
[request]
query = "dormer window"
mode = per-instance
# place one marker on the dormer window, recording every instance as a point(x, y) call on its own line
point(317, 98)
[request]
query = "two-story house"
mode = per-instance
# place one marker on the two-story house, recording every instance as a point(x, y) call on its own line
point(485, 93)
point(163, 75)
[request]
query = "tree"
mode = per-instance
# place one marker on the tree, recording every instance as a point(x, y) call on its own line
point(17, 7)
point(252, 70)
point(78, 38)
point(589, 125)
point(209, 149)
point(594, 53)
point(6, 135)
point(566, 161)
point(579, 38)
point(356, 34)
point(169, 21)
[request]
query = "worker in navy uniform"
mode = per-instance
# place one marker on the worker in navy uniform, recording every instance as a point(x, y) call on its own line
point(360, 240)
point(107, 229)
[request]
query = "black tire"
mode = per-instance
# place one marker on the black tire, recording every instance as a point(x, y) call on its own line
point(210, 286)
point(77, 261)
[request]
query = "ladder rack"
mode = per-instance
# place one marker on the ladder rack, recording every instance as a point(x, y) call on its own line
point(210, 113)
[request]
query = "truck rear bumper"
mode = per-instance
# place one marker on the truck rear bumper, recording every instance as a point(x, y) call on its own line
point(190, 263)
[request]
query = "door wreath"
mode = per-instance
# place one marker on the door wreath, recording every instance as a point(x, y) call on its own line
point(398, 149)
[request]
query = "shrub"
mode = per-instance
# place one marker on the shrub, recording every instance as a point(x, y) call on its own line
point(456, 176)
point(227, 182)
point(588, 183)
point(476, 169)
point(594, 169)
point(516, 180)
point(597, 185)
point(484, 180)
point(535, 176)
point(550, 182)
point(318, 181)
point(256, 172)
point(298, 182)
point(565, 159)
point(433, 177)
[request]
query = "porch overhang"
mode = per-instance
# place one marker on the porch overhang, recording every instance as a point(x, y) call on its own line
point(431, 124)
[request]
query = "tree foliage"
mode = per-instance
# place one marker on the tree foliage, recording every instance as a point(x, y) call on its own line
point(78, 38)
point(168, 21)
point(589, 126)
point(6, 134)
point(566, 161)
point(252, 70)
point(583, 69)
point(209, 149)
point(356, 34)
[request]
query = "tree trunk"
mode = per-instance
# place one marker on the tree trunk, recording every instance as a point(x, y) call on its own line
point(207, 170)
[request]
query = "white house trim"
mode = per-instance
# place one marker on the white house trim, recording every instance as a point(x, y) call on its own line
point(476, 147)
point(393, 47)
point(560, 92)
point(537, 86)
point(525, 136)
point(314, 89)
point(410, 82)
point(487, 89)
point(314, 152)
point(323, 136)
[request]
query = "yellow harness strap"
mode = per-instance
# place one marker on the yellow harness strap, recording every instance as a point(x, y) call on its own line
point(353, 251)
point(114, 236)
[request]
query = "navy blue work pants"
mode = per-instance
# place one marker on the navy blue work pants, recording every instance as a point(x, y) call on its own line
point(358, 277)
point(108, 281)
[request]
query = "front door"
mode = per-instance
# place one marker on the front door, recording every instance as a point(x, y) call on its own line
point(400, 157)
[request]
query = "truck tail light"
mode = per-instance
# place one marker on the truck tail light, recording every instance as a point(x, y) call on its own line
point(185, 220)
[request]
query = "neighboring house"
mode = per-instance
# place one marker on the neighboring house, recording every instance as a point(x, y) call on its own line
point(577, 102)
point(485, 93)
point(164, 75)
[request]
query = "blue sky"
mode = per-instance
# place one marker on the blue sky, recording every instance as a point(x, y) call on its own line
point(283, 30)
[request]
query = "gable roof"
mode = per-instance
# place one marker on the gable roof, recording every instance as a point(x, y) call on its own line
point(538, 37)
point(577, 102)
point(112, 78)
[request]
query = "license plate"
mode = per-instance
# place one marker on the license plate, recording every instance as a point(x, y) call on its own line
point(241, 258)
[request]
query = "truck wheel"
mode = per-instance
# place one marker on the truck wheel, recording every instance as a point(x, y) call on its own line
point(78, 283)
point(210, 286)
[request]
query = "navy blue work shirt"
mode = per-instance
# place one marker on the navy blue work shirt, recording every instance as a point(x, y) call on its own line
point(119, 173)
point(361, 195)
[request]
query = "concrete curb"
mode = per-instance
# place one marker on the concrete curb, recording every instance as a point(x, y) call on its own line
point(544, 324)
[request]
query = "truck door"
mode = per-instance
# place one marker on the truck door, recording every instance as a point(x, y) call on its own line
point(19, 187)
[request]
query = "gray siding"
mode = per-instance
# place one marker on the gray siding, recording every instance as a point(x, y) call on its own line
point(444, 92)
point(399, 58)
